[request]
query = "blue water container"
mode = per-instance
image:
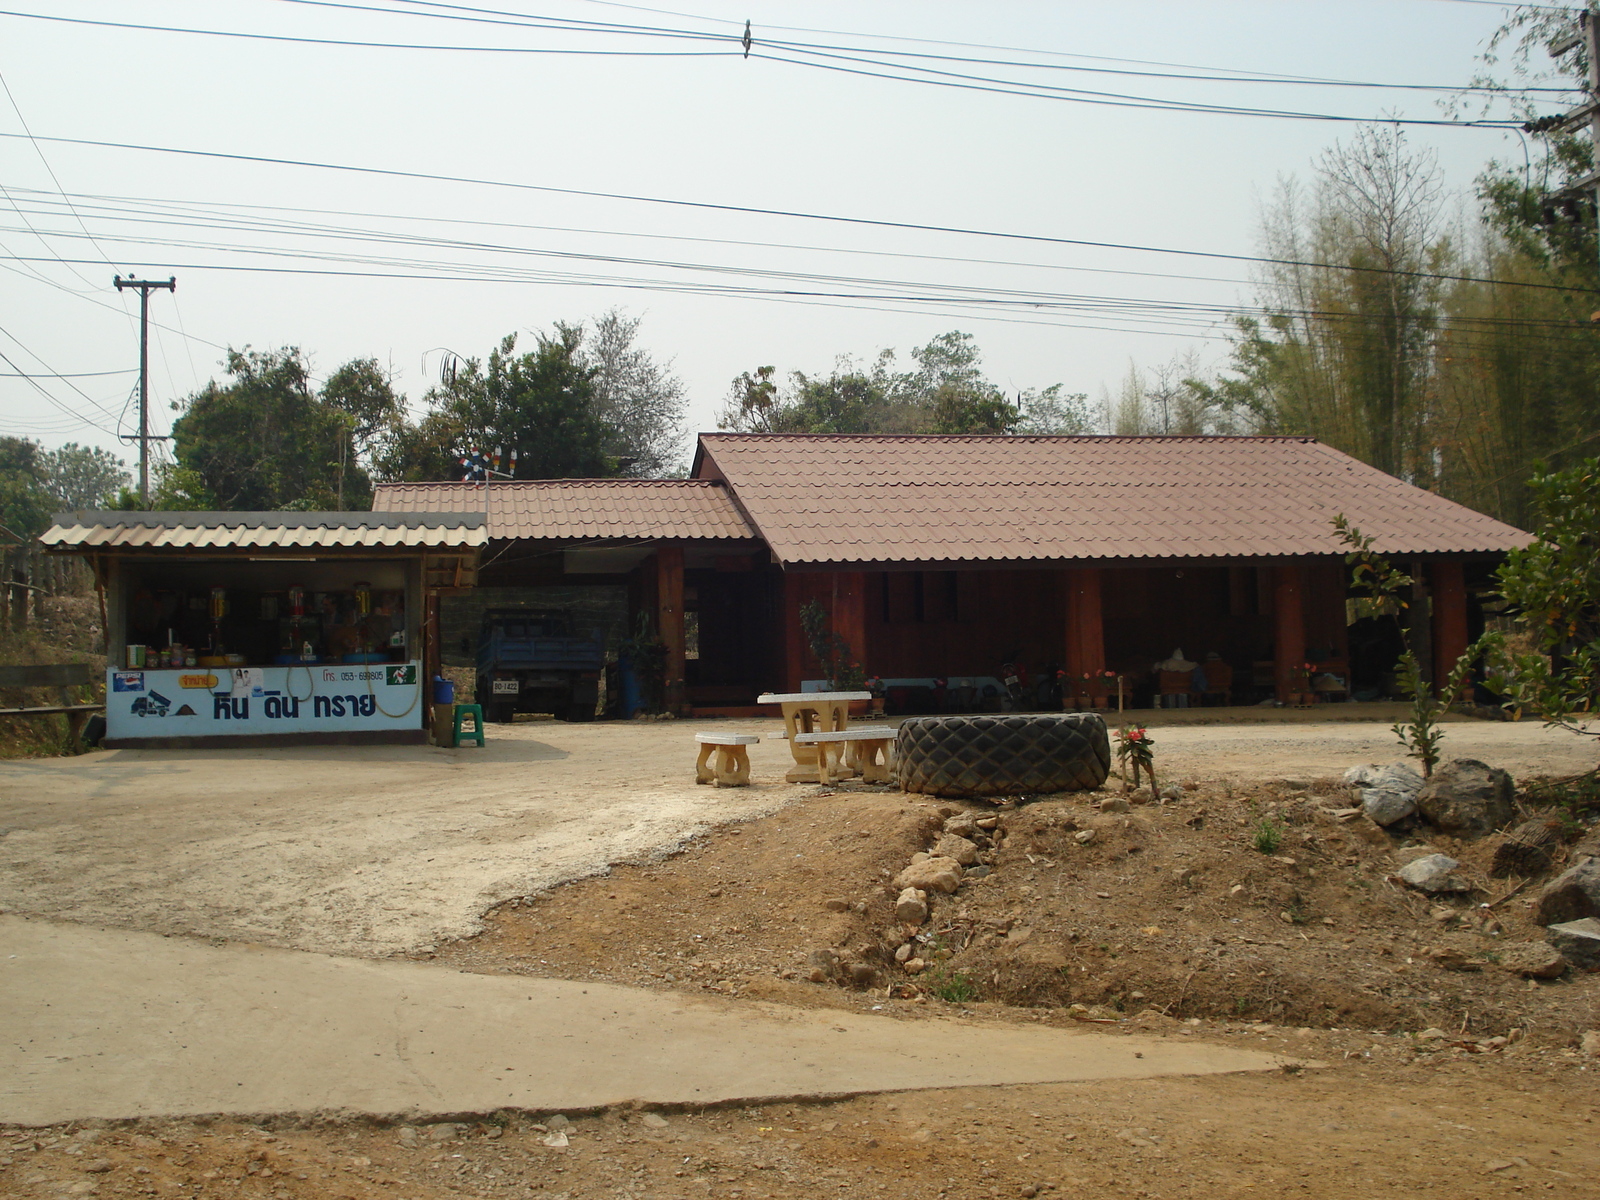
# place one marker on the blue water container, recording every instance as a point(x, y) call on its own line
point(444, 692)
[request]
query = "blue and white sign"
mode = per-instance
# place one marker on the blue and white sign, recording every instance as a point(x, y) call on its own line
point(218, 702)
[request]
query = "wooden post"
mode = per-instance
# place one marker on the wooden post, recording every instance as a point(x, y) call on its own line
point(1449, 619)
point(669, 622)
point(433, 647)
point(1289, 629)
point(1086, 639)
point(848, 612)
point(794, 639)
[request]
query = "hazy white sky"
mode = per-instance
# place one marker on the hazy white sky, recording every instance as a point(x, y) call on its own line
point(271, 254)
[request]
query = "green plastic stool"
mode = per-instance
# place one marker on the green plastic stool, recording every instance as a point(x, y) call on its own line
point(475, 711)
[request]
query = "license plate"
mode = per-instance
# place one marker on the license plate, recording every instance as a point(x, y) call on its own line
point(506, 687)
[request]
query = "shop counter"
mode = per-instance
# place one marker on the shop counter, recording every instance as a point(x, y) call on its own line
point(303, 702)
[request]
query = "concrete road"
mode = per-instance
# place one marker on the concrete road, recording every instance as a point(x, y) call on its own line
point(377, 850)
point(102, 1024)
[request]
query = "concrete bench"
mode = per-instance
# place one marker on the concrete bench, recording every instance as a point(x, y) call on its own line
point(731, 766)
point(866, 752)
point(57, 675)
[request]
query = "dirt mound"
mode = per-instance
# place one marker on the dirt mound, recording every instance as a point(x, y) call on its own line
point(1258, 904)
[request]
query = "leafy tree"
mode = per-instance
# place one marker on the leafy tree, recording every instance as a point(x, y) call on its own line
point(1052, 412)
point(81, 477)
point(945, 392)
point(542, 403)
point(266, 440)
point(1345, 350)
point(1554, 585)
point(640, 401)
point(25, 505)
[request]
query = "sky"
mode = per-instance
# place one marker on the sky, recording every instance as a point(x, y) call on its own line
point(506, 164)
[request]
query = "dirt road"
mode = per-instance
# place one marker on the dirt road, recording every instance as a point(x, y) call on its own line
point(379, 850)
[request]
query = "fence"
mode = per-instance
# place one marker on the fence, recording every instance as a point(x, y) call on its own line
point(28, 574)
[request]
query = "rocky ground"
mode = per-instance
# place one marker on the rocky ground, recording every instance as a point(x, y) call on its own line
point(1444, 1061)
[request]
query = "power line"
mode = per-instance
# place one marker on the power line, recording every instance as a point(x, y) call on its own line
point(192, 208)
point(977, 294)
point(888, 71)
point(866, 222)
point(1176, 71)
point(63, 374)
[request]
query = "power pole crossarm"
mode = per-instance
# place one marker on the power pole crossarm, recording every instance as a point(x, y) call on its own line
point(145, 286)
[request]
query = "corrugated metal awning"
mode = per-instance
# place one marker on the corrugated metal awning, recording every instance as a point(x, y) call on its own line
point(268, 531)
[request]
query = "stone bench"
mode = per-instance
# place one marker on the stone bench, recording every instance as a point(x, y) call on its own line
point(866, 752)
point(731, 766)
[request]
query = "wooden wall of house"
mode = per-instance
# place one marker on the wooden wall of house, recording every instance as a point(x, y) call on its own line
point(970, 622)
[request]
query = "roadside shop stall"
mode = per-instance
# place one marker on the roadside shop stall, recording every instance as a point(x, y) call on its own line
point(236, 628)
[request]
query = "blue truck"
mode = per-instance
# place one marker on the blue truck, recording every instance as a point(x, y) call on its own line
point(532, 661)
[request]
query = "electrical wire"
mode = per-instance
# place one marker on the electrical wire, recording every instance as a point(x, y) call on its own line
point(1176, 71)
point(886, 71)
point(865, 222)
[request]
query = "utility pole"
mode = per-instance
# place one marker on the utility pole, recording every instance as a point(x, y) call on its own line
point(1569, 199)
point(145, 286)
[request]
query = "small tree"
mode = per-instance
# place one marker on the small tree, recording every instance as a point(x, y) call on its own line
point(1555, 585)
point(1373, 574)
point(844, 674)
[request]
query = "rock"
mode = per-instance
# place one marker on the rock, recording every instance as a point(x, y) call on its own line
point(1184, 876)
point(1467, 798)
point(963, 825)
point(931, 875)
point(556, 1139)
point(903, 954)
point(1083, 837)
point(912, 907)
point(977, 872)
point(1590, 1044)
point(958, 848)
point(1578, 941)
point(1451, 959)
point(1527, 849)
point(557, 1122)
point(914, 966)
point(836, 904)
point(97, 1166)
point(652, 1120)
point(1533, 960)
point(987, 822)
point(1363, 776)
point(1392, 794)
point(1433, 1035)
point(862, 975)
point(407, 1135)
point(816, 975)
point(1114, 804)
point(1434, 873)
point(1172, 792)
point(1368, 830)
point(443, 1132)
point(1571, 896)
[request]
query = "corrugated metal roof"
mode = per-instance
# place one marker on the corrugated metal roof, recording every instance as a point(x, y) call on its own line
point(821, 498)
point(264, 530)
point(582, 509)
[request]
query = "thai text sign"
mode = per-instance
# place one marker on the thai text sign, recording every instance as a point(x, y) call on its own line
point(308, 698)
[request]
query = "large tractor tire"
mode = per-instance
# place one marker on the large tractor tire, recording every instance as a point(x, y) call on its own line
point(1008, 755)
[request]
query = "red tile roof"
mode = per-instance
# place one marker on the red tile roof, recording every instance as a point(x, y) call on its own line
point(581, 509)
point(837, 499)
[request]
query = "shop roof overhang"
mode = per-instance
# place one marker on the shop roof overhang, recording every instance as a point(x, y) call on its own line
point(267, 534)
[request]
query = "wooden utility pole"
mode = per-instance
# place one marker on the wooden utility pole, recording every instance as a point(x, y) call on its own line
point(145, 286)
